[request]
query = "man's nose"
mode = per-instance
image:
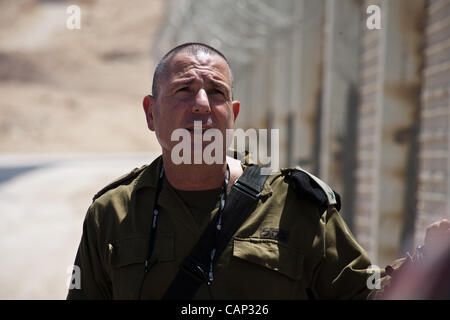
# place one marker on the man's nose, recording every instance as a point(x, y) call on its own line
point(201, 103)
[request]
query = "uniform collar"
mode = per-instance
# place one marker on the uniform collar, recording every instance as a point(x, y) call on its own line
point(149, 177)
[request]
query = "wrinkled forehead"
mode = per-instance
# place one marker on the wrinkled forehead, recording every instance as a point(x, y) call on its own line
point(205, 64)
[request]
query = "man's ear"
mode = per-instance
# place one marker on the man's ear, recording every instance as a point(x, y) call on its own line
point(148, 103)
point(236, 107)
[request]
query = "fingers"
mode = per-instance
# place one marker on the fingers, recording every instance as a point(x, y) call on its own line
point(437, 229)
point(437, 236)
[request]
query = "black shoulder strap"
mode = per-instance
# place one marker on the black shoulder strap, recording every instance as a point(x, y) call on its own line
point(312, 188)
point(241, 200)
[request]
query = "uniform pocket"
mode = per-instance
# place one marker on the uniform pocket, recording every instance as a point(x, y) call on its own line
point(134, 249)
point(270, 254)
point(127, 256)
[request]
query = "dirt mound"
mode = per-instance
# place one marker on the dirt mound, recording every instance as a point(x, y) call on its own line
point(65, 90)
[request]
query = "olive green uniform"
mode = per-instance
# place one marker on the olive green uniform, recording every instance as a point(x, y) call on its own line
point(288, 248)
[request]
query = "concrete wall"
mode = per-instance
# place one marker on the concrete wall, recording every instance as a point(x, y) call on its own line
point(366, 110)
point(434, 140)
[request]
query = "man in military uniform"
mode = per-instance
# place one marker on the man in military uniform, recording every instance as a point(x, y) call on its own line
point(293, 244)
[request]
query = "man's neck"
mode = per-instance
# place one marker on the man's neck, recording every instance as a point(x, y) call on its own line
point(200, 176)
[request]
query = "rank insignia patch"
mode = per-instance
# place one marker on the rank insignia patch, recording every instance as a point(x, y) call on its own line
point(275, 234)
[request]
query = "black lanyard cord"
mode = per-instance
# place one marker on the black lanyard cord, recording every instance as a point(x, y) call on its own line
point(151, 244)
point(223, 199)
point(154, 225)
point(156, 213)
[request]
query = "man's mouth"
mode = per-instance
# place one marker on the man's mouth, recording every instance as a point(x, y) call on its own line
point(202, 128)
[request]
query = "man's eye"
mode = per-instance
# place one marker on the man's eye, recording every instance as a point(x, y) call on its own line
point(217, 91)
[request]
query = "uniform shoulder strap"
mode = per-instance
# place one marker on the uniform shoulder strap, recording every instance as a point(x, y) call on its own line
point(307, 185)
point(122, 179)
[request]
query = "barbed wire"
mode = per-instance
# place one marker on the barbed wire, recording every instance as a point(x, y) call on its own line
point(247, 25)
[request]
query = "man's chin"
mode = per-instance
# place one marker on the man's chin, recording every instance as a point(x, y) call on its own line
point(199, 156)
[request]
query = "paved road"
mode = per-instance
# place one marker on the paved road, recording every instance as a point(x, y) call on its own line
point(43, 200)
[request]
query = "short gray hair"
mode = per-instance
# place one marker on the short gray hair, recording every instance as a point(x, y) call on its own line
point(192, 48)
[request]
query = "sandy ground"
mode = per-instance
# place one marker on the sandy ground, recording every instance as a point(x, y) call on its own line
point(42, 211)
point(71, 120)
point(80, 90)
